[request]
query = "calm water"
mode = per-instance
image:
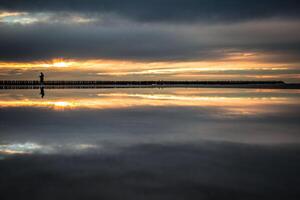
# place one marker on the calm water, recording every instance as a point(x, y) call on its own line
point(150, 144)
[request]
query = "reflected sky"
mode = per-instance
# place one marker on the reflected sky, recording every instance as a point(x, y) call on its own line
point(165, 143)
point(69, 121)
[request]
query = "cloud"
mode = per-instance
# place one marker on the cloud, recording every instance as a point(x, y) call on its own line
point(43, 41)
point(166, 10)
point(148, 42)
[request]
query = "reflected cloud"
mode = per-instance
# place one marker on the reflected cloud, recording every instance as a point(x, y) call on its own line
point(253, 103)
point(69, 121)
point(25, 148)
point(34, 148)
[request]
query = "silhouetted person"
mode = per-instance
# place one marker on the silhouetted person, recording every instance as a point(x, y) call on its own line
point(42, 78)
point(42, 91)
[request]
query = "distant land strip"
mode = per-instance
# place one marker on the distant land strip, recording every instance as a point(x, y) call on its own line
point(57, 84)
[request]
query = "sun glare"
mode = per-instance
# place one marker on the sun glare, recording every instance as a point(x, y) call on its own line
point(60, 63)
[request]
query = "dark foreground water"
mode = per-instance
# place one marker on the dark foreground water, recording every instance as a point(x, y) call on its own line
point(150, 144)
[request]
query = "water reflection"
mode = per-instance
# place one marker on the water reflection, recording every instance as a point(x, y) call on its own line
point(121, 117)
point(231, 101)
point(42, 91)
point(19, 148)
point(34, 148)
point(176, 143)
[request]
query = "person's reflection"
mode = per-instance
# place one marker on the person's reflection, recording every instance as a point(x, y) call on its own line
point(42, 91)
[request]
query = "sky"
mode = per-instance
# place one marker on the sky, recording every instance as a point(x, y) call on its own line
point(150, 40)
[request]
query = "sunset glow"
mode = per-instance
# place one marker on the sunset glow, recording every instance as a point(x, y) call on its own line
point(92, 47)
point(114, 69)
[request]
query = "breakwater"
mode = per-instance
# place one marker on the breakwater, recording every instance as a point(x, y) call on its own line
point(28, 84)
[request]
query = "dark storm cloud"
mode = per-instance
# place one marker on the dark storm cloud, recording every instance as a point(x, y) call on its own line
point(204, 171)
point(117, 29)
point(38, 42)
point(166, 10)
point(151, 42)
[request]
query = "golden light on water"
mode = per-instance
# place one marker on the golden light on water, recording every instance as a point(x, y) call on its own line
point(118, 100)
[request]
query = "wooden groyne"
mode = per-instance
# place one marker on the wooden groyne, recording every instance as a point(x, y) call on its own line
point(31, 84)
point(77, 82)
